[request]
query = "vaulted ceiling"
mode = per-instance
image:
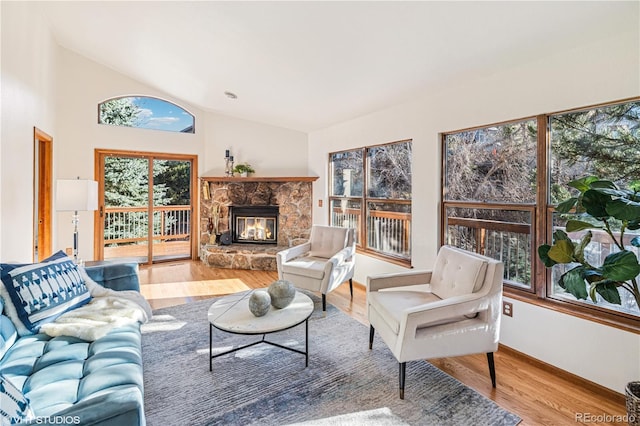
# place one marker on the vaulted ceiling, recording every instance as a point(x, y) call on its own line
point(307, 65)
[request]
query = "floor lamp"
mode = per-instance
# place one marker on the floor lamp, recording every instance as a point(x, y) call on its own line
point(76, 195)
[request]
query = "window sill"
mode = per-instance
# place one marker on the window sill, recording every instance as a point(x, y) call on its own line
point(390, 259)
point(578, 310)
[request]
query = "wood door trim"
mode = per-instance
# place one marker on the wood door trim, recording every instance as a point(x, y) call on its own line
point(99, 155)
point(42, 208)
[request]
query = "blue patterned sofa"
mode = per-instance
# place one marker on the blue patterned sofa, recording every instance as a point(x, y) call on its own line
point(67, 380)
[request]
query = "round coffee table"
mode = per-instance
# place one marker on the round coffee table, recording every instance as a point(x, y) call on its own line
point(231, 314)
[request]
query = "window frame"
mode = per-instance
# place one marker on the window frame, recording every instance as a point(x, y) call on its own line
point(541, 293)
point(364, 200)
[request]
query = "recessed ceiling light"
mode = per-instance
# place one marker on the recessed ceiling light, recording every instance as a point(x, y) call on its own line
point(231, 95)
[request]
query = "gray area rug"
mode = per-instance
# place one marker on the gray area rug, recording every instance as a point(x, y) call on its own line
point(345, 383)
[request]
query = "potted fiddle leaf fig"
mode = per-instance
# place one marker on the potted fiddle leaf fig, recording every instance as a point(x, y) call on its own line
point(599, 205)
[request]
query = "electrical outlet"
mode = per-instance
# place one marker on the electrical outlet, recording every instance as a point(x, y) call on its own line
point(507, 308)
point(319, 203)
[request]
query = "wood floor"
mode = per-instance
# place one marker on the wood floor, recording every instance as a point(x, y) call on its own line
point(539, 394)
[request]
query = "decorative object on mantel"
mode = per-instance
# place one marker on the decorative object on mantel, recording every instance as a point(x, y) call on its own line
point(259, 303)
point(228, 163)
point(244, 169)
point(282, 293)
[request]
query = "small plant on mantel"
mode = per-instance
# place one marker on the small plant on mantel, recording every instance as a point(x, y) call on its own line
point(600, 205)
point(244, 169)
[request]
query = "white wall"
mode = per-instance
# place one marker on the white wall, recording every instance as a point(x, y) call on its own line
point(28, 93)
point(600, 72)
point(271, 151)
point(82, 85)
point(58, 91)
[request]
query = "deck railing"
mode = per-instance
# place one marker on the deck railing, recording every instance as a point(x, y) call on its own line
point(511, 243)
point(130, 225)
point(506, 241)
point(387, 232)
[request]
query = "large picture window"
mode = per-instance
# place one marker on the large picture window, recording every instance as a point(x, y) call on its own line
point(371, 192)
point(503, 182)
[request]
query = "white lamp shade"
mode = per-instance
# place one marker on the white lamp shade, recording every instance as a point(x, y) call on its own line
point(76, 195)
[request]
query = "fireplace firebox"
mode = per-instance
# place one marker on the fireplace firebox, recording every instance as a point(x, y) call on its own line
point(254, 224)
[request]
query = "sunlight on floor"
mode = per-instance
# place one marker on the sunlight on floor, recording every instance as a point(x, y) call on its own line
point(162, 323)
point(193, 288)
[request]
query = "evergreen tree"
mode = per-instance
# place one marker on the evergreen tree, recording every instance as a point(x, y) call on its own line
point(120, 112)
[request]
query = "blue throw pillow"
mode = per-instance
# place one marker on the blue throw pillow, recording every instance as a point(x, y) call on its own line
point(14, 407)
point(38, 293)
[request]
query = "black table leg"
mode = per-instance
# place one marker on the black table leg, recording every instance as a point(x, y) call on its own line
point(210, 347)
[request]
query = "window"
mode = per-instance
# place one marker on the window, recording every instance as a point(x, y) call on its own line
point(502, 183)
point(146, 113)
point(489, 194)
point(602, 142)
point(371, 192)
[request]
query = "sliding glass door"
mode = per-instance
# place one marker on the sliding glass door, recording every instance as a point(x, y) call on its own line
point(146, 206)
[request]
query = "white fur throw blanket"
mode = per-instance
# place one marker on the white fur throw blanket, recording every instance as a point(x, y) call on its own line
point(108, 309)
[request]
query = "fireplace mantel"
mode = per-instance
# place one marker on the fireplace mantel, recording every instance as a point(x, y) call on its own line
point(260, 178)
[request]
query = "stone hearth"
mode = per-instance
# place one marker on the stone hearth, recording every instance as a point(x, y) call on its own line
point(292, 195)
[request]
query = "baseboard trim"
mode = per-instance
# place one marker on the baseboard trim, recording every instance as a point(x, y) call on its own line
point(603, 391)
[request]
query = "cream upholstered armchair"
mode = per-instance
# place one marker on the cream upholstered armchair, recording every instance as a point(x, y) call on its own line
point(450, 311)
point(322, 263)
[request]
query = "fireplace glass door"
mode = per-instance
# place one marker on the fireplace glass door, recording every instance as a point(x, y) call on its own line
point(255, 224)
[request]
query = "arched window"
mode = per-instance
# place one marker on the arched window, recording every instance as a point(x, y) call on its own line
point(145, 112)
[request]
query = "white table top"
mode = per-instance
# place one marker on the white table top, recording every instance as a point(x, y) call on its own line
point(231, 313)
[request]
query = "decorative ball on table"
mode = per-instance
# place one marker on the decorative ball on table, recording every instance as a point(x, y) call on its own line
point(259, 303)
point(282, 293)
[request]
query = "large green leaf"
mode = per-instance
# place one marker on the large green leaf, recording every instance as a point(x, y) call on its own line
point(634, 224)
point(623, 193)
point(602, 184)
point(621, 266)
point(573, 282)
point(594, 203)
point(559, 235)
point(567, 205)
point(583, 184)
point(623, 209)
point(578, 225)
point(578, 252)
point(543, 253)
point(562, 251)
point(608, 290)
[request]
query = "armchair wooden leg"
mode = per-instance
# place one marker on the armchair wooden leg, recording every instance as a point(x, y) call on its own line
point(403, 368)
point(351, 287)
point(492, 368)
point(371, 333)
point(324, 302)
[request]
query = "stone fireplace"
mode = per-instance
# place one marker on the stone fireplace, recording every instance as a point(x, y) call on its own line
point(282, 205)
